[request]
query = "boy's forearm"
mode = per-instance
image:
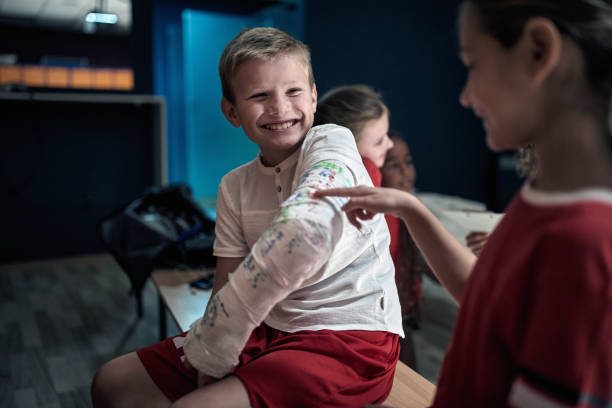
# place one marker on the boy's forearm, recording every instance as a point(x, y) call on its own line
point(451, 261)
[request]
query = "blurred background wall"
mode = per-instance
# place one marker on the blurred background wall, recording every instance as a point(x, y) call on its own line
point(169, 50)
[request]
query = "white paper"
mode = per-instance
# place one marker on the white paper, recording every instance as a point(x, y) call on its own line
point(478, 221)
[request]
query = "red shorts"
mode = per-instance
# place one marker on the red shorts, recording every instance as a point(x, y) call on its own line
point(304, 369)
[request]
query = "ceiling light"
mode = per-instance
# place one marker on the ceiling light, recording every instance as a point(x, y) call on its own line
point(104, 18)
point(98, 17)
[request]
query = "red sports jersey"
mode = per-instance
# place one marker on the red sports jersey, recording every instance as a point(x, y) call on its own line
point(373, 171)
point(535, 324)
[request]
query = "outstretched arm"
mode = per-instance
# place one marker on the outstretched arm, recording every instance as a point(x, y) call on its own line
point(450, 260)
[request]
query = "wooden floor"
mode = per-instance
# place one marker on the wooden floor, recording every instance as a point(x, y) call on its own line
point(61, 319)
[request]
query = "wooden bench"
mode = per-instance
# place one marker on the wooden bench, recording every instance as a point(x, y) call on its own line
point(186, 304)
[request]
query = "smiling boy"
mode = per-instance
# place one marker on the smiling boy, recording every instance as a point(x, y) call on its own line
point(309, 315)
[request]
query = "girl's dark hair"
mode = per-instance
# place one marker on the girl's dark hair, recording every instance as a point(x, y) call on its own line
point(351, 106)
point(587, 22)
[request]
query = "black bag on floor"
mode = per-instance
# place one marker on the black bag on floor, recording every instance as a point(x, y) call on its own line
point(162, 228)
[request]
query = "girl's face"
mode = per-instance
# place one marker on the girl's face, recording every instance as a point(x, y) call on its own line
point(497, 85)
point(373, 141)
point(398, 170)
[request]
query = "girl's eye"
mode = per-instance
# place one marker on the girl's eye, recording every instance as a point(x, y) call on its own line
point(392, 166)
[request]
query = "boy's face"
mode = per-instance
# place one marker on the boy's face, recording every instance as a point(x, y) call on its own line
point(274, 104)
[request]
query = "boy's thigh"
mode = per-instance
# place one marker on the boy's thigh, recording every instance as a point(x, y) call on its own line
point(299, 377)
point(227, 393)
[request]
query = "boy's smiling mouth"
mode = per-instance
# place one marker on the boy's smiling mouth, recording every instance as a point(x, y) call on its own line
point(280, 125)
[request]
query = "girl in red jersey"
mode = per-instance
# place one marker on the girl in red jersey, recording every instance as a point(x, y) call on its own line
point(535, 322)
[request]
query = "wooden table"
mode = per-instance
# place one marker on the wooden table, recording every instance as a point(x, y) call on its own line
point(186, 304)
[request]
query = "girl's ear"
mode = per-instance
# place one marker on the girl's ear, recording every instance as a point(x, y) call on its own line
point(229, 111)
point(543, 44)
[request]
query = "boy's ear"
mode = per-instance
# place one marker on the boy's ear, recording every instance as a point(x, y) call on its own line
point(314, 97)
point(543, 46)
point(229, 112)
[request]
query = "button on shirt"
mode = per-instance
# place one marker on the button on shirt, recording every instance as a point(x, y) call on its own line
point(241, 220)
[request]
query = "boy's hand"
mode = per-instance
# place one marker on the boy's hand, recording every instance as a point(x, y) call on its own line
point(367, 201)
point(203, 379)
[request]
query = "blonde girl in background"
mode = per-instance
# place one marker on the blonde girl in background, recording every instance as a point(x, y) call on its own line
point(362, 110)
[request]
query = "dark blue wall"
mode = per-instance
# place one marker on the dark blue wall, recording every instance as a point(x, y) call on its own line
point(408, 51)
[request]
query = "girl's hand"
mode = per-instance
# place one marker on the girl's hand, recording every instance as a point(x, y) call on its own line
point(365, 202)
point(476, 240)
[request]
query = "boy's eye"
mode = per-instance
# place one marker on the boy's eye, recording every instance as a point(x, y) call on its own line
point(294, 91)
point(257, 95)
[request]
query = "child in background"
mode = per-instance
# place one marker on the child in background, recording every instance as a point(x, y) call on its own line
point(535, 322)
point(476, 240)
point(361, 109)
point(309, 315)
point(399, 172)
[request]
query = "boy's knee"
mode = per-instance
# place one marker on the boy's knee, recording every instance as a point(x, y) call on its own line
point(100, 387)
point(106, 386)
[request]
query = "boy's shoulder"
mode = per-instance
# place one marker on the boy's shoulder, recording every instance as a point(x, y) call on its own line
point(329, 136)
point(327, 129)
point(332, 143)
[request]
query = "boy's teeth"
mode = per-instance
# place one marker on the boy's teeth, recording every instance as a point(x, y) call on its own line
point(279, 126)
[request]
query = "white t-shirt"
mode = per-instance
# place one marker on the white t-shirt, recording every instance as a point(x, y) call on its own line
point(355, 289)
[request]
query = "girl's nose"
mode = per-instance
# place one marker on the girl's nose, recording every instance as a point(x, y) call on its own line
point(390, 143)
point(464, 98)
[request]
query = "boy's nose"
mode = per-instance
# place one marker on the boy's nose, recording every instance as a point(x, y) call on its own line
point(278, 106)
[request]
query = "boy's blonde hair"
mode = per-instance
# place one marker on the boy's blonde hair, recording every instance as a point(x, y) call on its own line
point(264, 43)
point(351, 106)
